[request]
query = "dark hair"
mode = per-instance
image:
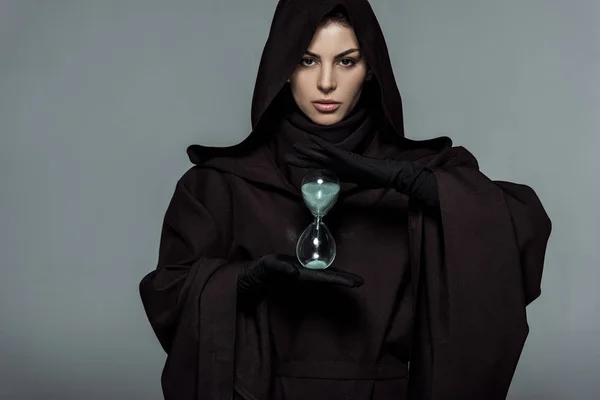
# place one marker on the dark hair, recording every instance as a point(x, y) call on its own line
point(336, 16)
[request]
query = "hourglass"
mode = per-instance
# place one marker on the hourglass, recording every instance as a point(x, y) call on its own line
point(316, 247)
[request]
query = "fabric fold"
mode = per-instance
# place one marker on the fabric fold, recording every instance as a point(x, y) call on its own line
point(473, 292)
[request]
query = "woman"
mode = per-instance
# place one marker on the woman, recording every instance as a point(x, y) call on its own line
point(435, 263)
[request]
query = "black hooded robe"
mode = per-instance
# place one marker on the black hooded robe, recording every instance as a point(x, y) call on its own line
point(442, 312)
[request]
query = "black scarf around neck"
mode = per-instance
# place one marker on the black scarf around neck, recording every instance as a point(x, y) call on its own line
point(354, 133)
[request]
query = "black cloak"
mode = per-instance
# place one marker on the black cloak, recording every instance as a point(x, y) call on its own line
point(442, 312)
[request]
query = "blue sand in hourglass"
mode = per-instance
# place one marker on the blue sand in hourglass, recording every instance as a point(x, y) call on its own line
point(319, 197)
point(316, 264)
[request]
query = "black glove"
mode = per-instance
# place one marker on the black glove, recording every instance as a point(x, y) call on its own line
point(372, 173)
point(273, 269)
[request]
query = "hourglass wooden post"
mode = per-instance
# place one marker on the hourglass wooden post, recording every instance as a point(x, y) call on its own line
point(316, 247)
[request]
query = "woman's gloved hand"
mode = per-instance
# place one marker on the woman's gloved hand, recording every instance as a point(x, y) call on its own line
point(274, 269)
point(372, 173)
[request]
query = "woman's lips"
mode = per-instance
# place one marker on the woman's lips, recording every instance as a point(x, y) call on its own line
point(326, 107)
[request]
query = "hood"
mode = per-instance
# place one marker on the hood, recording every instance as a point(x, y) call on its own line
point(292, 29)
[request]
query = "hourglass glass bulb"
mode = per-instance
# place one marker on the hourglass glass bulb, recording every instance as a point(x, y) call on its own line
point(316, 247)
point(320, 189)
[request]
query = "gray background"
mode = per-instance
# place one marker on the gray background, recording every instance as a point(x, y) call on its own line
point(98, 100)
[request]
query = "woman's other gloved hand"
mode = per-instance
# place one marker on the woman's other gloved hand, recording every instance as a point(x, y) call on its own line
point(404, 176)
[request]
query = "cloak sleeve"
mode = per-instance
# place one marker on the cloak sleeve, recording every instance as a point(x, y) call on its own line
point(190, 298)
point(478, 268)
point(532, 229)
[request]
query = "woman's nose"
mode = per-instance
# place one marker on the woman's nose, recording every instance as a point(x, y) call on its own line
point(326, 81)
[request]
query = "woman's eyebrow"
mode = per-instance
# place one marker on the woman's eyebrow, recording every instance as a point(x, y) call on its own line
point(342, 54)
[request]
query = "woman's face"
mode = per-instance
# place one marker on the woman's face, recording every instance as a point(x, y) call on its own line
point(328, 82)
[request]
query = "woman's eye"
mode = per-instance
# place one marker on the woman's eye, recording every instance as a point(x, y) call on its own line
point(307, 62)
point(346, 62)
